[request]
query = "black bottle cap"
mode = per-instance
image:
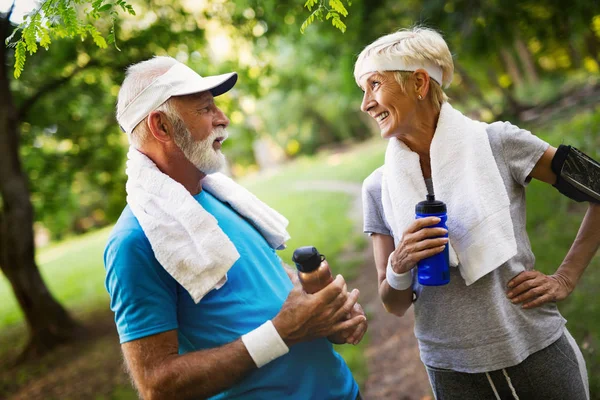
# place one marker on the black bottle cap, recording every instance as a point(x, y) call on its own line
point(430, 206)
point(307, 258)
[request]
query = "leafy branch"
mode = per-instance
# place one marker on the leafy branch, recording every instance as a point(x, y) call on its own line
point(328, 9)
point(58, 19)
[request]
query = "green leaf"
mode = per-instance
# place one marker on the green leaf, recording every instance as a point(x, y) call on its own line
point(320, 12)
point(9, 39)
point(307, 22)
point(114, 36)
point(309, 4)
point(44, 36)
point(19, 58)
point(339, 24)
point(97, 37)
point(332, 14)
point(29, 38)
point(105, 7)
point(339, 7)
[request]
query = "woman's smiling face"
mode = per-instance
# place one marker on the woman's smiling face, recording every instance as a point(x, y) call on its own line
point(385, 101)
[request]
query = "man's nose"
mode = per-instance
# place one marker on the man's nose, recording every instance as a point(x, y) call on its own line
point(221, 119)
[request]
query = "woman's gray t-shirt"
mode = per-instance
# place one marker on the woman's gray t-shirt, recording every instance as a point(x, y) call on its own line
point(476, 328)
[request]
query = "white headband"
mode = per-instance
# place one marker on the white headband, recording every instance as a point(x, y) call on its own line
point(375, 63)
point(179, 80)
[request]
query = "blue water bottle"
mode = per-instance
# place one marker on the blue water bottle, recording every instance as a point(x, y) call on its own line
point(434, 270)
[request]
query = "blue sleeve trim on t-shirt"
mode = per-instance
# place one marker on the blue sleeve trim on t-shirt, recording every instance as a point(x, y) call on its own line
point(130, 336)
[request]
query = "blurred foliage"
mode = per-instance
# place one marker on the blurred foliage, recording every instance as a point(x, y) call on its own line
point(297, 89)
point(553, 221)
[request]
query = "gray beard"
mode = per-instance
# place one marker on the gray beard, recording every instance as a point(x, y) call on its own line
point(202, 154)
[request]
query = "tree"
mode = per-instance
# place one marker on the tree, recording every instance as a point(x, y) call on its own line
point(49, 323)
point(66, 96)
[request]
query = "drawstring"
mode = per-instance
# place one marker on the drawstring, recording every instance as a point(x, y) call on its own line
point(512, 389)
point(492, 385)
point(510, 385)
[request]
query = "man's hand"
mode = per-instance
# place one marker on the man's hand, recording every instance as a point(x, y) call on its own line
point(309, 316)
point(352, 335)
point(533, 288)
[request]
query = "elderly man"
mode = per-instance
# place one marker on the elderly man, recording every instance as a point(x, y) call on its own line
point(203, 305)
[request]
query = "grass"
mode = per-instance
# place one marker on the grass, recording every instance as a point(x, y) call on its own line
point(350, 166)
point(317, 219)
point(74, 273)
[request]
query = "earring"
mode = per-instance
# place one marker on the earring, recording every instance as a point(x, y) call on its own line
point(420, 97)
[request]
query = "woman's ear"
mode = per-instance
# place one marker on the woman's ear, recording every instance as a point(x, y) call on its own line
point(159, 125)
point(421, 83)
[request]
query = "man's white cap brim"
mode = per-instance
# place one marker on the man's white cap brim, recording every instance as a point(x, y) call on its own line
point(179, 80)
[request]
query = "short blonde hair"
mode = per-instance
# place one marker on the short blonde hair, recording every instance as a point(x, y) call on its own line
point(413, 46)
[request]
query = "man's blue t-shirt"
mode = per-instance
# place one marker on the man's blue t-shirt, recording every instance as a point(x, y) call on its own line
point(146, 300)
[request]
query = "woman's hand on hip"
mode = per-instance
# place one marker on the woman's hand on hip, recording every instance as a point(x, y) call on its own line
point(418, 242)
point(533, 288)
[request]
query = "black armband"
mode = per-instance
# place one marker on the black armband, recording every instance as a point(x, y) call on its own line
point(577, 175)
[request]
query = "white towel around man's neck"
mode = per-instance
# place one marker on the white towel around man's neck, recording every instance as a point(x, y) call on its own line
point(186, 239)
point(465, 176)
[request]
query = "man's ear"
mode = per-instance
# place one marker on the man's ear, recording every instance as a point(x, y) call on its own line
point(160, 127)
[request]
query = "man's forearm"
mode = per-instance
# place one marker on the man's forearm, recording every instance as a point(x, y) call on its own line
point(205, 373)
point(198, 374)
point(584, 247)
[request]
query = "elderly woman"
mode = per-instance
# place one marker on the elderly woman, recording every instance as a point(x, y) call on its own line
point(494, 330)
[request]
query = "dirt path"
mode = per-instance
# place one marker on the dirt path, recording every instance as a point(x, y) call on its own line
point(395, 369)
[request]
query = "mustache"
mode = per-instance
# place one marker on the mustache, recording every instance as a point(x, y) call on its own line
point(217, 133)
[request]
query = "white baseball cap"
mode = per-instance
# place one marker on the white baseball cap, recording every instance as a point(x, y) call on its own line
point(179, 80)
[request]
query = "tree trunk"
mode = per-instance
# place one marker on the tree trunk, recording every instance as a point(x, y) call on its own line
point(527, 62)
point(48, 322)
point(592, 45)
point(511, 67)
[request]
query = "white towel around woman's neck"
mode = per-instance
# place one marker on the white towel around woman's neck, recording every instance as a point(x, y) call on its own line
point(465, 176)
point(186, 239)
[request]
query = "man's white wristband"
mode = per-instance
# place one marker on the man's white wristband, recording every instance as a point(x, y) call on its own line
point(264, 344)
point(397, 281)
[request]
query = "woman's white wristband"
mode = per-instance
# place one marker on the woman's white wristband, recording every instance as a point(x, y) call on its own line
point(397, 281)
point(264, 344)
